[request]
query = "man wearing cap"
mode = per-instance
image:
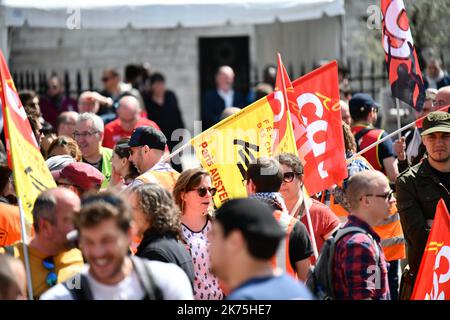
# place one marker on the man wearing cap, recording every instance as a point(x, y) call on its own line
point(79, 177)
point(89, 132)
point(244, 239)
point(147, 146)
point(363, 110)
point(420, 187)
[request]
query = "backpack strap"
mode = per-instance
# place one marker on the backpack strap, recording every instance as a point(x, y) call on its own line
point(344, 231)
point(360, 134)
point(83, 292)
point(145, 276)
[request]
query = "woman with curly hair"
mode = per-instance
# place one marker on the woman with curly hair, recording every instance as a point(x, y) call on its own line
point(193, 194)
point(63, 145)
point(157, 220)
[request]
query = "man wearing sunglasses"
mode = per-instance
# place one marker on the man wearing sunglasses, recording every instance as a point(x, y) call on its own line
point(421, 187)
point(360, 271)
point(52, 260)
point(264, 179)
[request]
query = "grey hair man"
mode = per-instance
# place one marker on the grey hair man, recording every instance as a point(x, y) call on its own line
point(89, 133)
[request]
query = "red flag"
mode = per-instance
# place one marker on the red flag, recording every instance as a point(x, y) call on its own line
point(433, 279)
point(281, 120)
point(403, 68)
point(10, 99)
point(316, 120)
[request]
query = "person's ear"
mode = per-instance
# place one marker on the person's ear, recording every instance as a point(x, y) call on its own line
point(251, 187)
point(235, 240)
point(131, 233)
point(45, 227)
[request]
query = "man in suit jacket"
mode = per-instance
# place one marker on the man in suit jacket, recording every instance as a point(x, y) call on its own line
point(223, 96)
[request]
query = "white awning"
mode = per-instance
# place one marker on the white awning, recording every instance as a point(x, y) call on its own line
point(142, 14)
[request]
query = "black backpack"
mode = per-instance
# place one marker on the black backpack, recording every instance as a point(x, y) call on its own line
point(83, 291)
point(320, 277)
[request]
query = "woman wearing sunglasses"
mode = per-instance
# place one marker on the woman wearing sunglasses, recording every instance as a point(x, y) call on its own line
point(324, 221)
point(193, 194)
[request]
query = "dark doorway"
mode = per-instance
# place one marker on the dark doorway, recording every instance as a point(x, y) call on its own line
point(231, 51)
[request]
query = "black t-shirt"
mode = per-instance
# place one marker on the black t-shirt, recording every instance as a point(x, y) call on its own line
point(300, 246)
point(444, 177)
point(97, 165)
point(166, 249)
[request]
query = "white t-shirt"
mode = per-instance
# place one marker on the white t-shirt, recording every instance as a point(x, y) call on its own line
point(206, 285)
point(171, 280)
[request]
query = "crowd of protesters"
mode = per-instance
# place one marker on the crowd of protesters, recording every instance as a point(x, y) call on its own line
point(125, 224)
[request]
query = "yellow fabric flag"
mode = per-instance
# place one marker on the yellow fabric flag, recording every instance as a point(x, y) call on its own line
point(31, 175)
point(226, 149)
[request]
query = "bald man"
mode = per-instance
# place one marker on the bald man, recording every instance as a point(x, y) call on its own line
point(360, 269)
point(66, 123)
point(128, 119)
point(52, 260)
point(442, 98)
point(222, 97)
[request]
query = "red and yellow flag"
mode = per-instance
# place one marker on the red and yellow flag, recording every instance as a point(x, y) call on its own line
point(31, 175)
point(316, 119)
point(433, 279)
point(261, 129)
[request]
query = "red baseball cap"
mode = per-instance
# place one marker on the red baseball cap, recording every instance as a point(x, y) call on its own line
point(80, 174)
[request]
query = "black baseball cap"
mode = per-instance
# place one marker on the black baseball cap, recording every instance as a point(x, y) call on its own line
point(361, 102)
point(436, 121)
point(251, 216)
point(148, 136)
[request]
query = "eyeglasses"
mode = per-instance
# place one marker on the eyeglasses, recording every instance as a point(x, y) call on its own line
point(51, 278)
point(104, 79)
point(386, 196)
point(202, 191)
point(289, 176)
point(77, 135)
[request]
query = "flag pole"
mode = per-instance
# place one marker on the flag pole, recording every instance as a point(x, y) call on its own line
point(25, 250)
point(399, 125)
point(310, 227)
point(390, 135)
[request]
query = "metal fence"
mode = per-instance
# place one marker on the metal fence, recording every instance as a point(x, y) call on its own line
point(362, 76)
point(36, 80)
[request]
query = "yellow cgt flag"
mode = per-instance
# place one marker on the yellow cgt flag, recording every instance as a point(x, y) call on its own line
point(31, 175)
point(226, 149)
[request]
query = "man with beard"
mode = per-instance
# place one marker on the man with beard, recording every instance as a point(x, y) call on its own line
point(105, 232)
point(420, 187)
point(51, 259)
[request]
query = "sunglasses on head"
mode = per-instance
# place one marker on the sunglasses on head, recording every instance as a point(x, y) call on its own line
point(289, 176)
point(202, 191)
point(51, 278)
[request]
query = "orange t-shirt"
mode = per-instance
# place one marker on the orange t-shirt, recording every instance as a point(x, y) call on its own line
point(9, 224)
